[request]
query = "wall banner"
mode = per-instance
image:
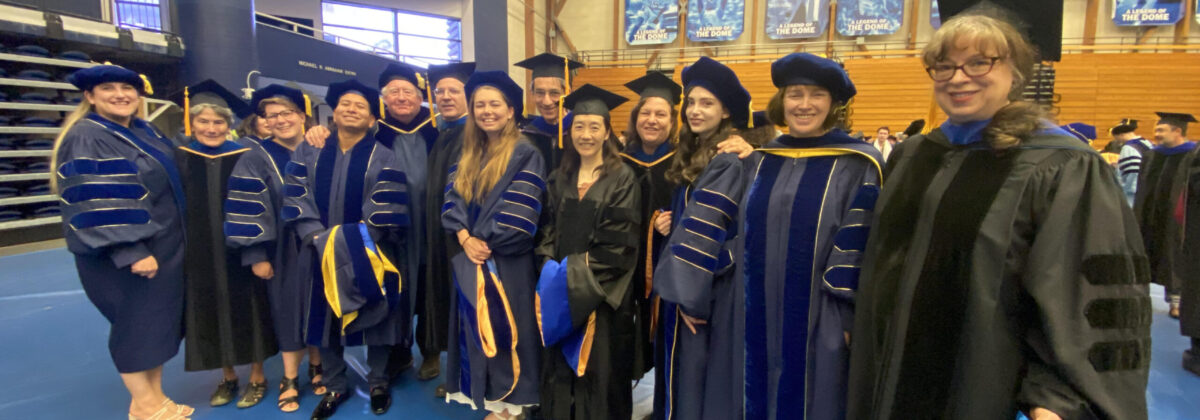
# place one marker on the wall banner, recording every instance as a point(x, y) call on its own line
point(794, 19)
point(649, 22)
point(1147, 12)
point(869, 17)
point(715, 20)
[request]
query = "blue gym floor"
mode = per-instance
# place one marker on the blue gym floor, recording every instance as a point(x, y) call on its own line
point(55, 364)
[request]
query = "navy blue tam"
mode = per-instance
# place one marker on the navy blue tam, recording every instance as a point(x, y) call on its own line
point(402, 71)
point(809, 69)
point(273, 90)
point(458, 71)
point(86, 79)
point(499, 80)
point(1081, 131)
point(339, 89)
point(724, 84)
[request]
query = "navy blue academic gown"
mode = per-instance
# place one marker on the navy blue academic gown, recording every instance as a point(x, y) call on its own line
point(326, 188)
point(122, 201)
point(695, 275)
point(254, 226)
point(500, 363)
point(809, 202)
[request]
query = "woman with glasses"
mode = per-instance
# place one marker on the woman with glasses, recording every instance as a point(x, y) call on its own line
point(254, 226)
point(1004, 272)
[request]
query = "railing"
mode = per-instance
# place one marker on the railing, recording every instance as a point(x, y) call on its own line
point(667, 56)
point(323, 36)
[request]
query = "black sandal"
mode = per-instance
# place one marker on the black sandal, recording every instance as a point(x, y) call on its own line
point(225, 393)
point(285, 385)
point(253, 395)
point(313, 372)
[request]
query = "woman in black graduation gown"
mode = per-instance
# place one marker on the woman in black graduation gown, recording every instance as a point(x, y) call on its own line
point(1004, 272)
point(228, 320)
point(123, 211)
point(585, 299)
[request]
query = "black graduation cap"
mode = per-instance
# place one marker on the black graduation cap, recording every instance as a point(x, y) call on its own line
point(914, 128)
point(1175, 118)
point(211, 92)
point(658, 85)
point(590, 99)
point(459, 71)
point(1125, 126)
point(549, 65)
point(1040, 20)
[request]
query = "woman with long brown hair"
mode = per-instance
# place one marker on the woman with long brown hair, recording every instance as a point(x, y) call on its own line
point(1004, 273)
point(588, 248)
point(493, 205)
point(694, 277)
point(123, 211)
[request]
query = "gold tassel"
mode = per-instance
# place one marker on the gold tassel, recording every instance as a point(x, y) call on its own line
point(307, 105)
point(429, 95)
point(750, 122)
point(382, 111)
point(146, 85)
point(679, 129)
point(187, 113)
point(561, 115)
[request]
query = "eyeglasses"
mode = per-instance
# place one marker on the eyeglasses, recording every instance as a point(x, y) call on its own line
point(281, 114)
point(942, 72)
point(401, 92)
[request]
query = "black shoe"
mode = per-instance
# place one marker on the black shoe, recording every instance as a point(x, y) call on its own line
point(431, 367)
point(399, 361)
point(328, 405)
point(381, 400)
point(1190, 363)
point(440, 392)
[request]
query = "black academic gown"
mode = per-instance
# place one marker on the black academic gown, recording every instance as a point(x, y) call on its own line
point(586, 373)
point(255, 228)
point(998, 282)
point(697, 373)
point(1189, 300)
point(228, 320)
point(655, 198)
point(123, 201)
point(544, 135)
point(1156, 204)
point(433, 305)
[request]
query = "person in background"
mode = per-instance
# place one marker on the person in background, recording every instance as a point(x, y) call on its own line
point(881, 143)
point(128, 250)
point(587, 253)
point(1003, 273)
point(1133, 147)
point(227, 319)
point(256, 230)
point(254, 127)
point(1162, 185)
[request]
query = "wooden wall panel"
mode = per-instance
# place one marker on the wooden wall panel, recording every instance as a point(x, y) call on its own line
point(1098, 89)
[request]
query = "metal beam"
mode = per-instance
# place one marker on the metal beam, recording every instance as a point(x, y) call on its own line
point(1185, 25)
point(549, 25)
point(558, 26)
point(653, 58)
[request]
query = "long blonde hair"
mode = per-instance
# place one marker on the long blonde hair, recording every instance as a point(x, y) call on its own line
point(482, 162)
point(1019, 119)
point(79, 113)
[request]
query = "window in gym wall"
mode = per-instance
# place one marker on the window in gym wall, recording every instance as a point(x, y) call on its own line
point(414, 37)
point(140, 14)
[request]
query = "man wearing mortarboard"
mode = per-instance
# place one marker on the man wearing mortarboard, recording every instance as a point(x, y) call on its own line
point(1129, 164)
point(1157, 204)
point(551, 81)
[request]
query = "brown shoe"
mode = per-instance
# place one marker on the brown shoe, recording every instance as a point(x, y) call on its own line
point(1174, 312)
point(431, 367)
point(440, 392)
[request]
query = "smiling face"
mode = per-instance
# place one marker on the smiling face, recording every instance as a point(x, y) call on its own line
point(491, 110)
point(704, 111)
point(115, 101)
point(965, 98)
point(805, 108)
point(353, 113)
point(1168, 135)
point(546, 92)
point(210, 128)
point(285, 123)
point(588, 133)
point(451, 99)
point(654, 122)
point(403, 99)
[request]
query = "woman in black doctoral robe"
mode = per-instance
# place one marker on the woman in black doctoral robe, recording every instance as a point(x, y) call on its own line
point(585, 298)
point(1004, 272)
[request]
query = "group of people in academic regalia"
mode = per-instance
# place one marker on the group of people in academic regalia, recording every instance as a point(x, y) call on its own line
point(990, 267)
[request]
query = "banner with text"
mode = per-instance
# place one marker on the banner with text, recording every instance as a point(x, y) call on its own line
point(869, 17)
point(793, 19)
point(935, 15)
point(650, 22)
point(1147, 12)
point(715, 20)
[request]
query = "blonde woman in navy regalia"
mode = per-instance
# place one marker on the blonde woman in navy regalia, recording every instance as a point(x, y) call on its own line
point(123, 211)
